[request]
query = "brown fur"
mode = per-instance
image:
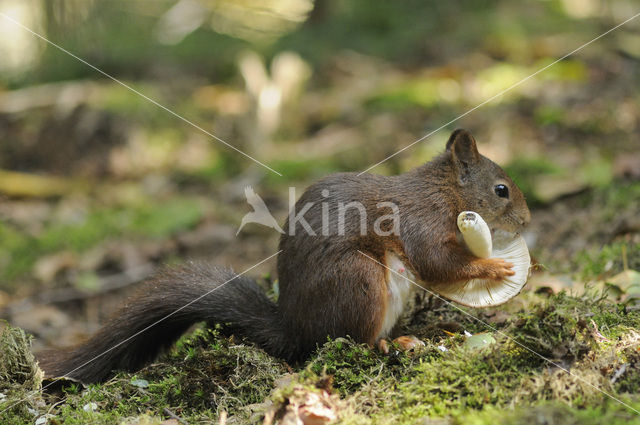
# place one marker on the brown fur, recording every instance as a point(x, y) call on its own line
point(327, 288)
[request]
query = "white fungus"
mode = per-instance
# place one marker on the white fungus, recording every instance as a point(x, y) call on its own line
point(486, 292)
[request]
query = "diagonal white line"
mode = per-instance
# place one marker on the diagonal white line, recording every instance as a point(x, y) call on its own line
point(513, 86)
point(149, 327)
point(502, 333)
point(128, 87)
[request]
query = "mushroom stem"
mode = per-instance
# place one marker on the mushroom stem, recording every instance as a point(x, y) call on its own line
point(476, 233)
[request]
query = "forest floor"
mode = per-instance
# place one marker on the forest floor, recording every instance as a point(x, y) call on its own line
point(99, 188)
point(579, 311)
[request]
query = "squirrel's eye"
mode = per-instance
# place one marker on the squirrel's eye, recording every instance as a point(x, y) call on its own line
point(501, 190)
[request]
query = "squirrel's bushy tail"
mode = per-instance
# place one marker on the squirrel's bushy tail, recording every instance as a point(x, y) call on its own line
point(165, 307)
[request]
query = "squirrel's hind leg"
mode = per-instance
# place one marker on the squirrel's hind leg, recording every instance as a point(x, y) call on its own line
point(347, 299)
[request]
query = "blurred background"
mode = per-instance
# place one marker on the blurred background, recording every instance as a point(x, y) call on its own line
point(99, 186)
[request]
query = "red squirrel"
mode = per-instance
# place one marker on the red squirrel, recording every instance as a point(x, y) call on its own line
point(328, 286)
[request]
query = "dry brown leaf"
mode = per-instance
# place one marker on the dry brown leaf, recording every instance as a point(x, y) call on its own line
point(305, 407)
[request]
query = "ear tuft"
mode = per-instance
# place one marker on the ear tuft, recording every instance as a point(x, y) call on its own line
point(456, 133)
point(463, 146)
point(464, 152)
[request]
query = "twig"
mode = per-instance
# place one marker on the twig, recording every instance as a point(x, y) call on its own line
point(165, 410)
point(619, 372)
point(173, 415)
point(223, 418)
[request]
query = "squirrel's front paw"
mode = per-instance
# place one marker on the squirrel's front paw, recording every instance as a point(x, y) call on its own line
point(496, 269)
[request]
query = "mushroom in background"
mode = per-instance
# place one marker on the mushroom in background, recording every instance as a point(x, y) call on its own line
point(271, 92)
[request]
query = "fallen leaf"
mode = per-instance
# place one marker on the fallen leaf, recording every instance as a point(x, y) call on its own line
point(90, 407)
point(622, 287)
point(140, 383)
point(479, 341)
point(305, 407)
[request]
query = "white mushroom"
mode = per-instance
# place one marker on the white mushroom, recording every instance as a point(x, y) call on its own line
point(509, 247)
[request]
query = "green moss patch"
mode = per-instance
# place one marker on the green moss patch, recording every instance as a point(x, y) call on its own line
point(20, 378)
point(591, 344)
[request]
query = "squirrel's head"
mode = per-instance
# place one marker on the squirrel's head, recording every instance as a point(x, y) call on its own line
point(484, 187)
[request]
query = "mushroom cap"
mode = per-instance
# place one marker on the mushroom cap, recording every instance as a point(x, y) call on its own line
point(487, 292)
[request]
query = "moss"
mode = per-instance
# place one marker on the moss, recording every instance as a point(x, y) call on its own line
point(459, 383)
point(20, 378)
point(627, 371)
point(350, 364)
point(102, 404)
point(202, 376)
point(214, 373)
point(609, 412)
point(555, 329)
point(17, 363)
point(403, 387)
point(446, 381)
point(615, 320)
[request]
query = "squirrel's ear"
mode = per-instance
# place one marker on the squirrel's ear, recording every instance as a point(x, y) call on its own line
point(464, 152)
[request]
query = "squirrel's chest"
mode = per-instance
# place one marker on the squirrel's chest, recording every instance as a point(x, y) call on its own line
point(399, 290)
